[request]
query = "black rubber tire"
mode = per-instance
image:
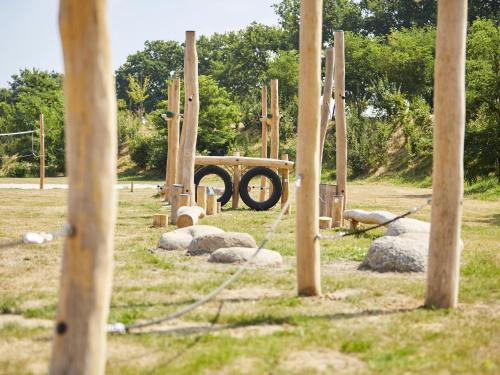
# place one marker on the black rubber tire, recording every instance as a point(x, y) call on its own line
point(222, 173)
point(245, 194)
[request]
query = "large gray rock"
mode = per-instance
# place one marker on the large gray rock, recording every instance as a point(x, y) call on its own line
point(242, 254)
point(208, 243)
point(404, 253)
point(404, 225)
point(179, 239)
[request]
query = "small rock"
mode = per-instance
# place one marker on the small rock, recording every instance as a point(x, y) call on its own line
point(208, 243)
point(179, 239)
point(404, 225)
point(242, 254)
point(404, 253)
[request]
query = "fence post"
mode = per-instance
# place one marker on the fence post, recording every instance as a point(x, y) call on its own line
point(447, 177)
point(79, 345)
point(307, 222)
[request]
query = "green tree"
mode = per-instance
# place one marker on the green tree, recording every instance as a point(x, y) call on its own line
point(138, 93)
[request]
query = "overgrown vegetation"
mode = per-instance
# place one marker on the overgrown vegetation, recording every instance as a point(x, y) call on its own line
point(389, 80)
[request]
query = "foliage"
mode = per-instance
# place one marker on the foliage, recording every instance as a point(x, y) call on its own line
point(138, 93)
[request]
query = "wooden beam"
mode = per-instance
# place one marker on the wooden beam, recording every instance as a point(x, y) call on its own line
point(447, 177)
point(242, 160)
point(340, 123)
point(191, 113)
point(327, 99)
point(263, 149)
point(79, 345)
point(307, 226)
point(42, 151)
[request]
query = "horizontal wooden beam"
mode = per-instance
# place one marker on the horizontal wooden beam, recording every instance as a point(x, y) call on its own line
point(246, 161)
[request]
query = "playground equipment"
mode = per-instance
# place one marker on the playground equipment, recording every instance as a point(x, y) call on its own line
point(79, 344)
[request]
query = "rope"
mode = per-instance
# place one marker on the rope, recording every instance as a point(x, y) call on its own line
point(17, 133)
point(39, 237)
point(122, 328)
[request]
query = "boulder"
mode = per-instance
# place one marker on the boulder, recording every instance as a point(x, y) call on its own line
point(242, 254)
point(208, 243)
point(179, 239)
point(404, 253)
point(405, 225)
point(367, 217)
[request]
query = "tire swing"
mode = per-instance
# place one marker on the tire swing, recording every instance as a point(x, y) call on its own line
point(245, 189)
point(222, 173)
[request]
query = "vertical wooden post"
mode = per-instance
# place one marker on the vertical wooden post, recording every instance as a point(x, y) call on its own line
point(327, 99)
point(191, 112)
point(307, 226)
point(275, 124)
point(285, 175)
point(236, 183)
point(168, 169)
point(201, 197)
point(337, 211)
point(174, 135)
point(42, 151)
point(174, 205)
point(79, 345)
point(340, 124)
point(263, 149)
point(211, 203)
point(447, 176)
point(183, 200)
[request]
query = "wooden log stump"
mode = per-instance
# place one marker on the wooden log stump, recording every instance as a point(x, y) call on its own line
point(337, 211)
point(219, 207)
point(160, 220)
point(189, 215)
point(176, 190)
point(201, 197)
point(211, 203)
point(325, 222)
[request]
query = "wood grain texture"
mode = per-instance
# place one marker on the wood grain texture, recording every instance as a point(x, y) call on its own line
point(79, 345)
point(307, 227)
point(447, 186)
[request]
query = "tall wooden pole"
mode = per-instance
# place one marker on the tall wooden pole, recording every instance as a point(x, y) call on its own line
point(307, 227)
point(79, 345)
point(42, 151)
point(447, 177)
point(236, 183)
point(340, 123)
point(327, 99)
point(168, 172)
point(176, 119)
point(275, 120)
point(191, 112)
point(263, 149)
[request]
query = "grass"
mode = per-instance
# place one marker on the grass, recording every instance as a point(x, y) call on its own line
point(378, 326)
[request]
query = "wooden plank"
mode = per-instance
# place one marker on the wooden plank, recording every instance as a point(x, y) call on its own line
point(79, 345)
point(340, 123)
point(307, 226)
point(447, 177)
point(242, 160)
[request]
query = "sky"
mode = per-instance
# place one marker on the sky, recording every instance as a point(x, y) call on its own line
point(29, 36)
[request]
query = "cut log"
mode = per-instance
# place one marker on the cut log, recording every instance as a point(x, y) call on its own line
point(337, 211)
point(201, 197)
point(189, 215)
point(325, 222)
point(160, 220)
point(176, 190)
point(211, 204)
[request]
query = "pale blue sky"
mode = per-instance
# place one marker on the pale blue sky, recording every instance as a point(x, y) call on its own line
point(29, 32)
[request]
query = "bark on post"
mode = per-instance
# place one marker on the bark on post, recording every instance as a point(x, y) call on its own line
point(307, 226)
point(447, 189)
point(263, 149)
point(236, 183)
point(79, 345)
point(340, 124)
point(327, 99)
point(191, 112)
point(42, 151)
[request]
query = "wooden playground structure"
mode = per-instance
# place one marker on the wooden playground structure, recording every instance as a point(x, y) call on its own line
point(79, 344)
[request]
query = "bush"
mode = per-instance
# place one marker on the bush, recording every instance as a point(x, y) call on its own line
point(11, 167)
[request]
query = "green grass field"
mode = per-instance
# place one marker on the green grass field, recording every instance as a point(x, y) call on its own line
point(364, 323)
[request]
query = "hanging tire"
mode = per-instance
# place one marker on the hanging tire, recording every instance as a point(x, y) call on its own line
point(222, 173)
point(245, 191)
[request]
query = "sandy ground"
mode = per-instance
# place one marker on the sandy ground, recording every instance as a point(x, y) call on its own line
point(65, 186)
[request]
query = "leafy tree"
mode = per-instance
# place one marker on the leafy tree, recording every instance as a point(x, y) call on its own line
point(138, 93)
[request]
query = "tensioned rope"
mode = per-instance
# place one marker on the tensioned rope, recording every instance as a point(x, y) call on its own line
point(17, 133)
point(33, 153)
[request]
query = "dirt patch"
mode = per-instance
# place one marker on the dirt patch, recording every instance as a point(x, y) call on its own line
point(123, 353)
point(344, 293)
point(20, 320)
point(323, 361)
point(249, 294)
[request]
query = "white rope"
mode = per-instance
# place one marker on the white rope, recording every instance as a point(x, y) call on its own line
point(17, 133)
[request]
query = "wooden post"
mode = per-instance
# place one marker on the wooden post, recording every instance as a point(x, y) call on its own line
point(326, 194)
point(263, 149)
point(79, 345)
point(327, 99)
point(219, 207)
point(183, 200)
point(42, 151)
point(201, 197)
point(211, 203)
point(236, 183)
point(447, 176)
point(307, 227)
point(174, 193)
point(285, 175)
point(168, 172)
point(191, 112)
point(159, 220)
point(275, 124)
point(132, 187)
point(325, 222)
point(337, 211)
point(174, 134)
point(340, 124)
